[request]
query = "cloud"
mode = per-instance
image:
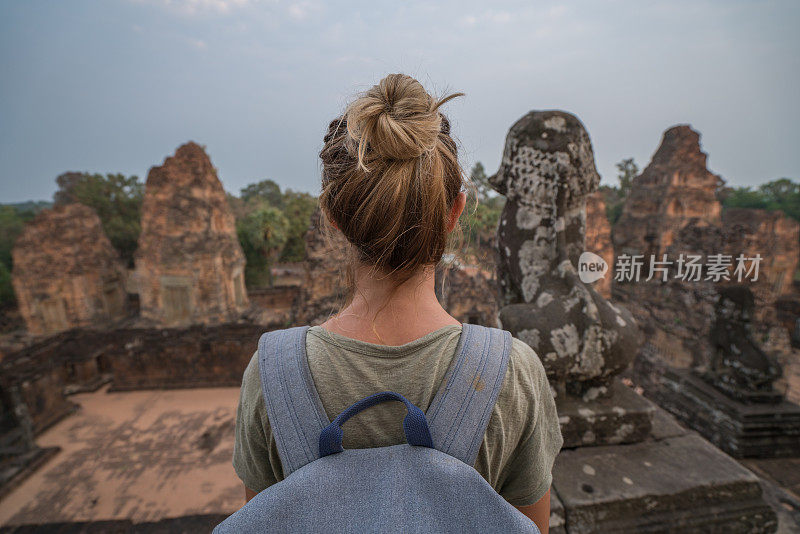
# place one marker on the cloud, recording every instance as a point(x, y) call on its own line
point(198, 43)
point(354, 59)
point(301, 10)
point(491, 16)
point(468, 21)
point(192, 7)
point(500, 17)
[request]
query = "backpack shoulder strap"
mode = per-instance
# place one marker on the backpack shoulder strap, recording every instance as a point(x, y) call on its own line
point(296, 415)
point(460, 411)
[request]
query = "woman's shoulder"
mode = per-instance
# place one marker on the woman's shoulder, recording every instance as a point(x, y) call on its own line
point(525, 382)
point(251, 383)
point(524, 363)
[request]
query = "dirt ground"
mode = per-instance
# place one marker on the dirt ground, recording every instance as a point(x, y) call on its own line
point(144, 456)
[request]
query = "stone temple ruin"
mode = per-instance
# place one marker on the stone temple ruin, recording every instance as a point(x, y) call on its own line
point(189, 264)
point(626, 465)
point(66, 272)
point(672, 209)
point(703, 361)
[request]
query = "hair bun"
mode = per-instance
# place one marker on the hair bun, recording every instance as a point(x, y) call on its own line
point(390, 177)
point(396, 119)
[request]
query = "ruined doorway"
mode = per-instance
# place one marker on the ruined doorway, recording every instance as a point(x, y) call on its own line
point(113, 297)
point(177, 298)
point(54, 315)
point(238, 290)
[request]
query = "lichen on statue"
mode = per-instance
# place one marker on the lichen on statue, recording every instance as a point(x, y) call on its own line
point(546, 174)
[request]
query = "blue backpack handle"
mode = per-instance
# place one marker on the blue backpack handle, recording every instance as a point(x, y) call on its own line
point(415, 425)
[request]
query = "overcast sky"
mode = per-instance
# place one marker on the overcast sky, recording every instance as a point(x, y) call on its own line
point(118, 85)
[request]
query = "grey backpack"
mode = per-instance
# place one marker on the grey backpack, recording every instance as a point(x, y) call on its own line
point(428, 484)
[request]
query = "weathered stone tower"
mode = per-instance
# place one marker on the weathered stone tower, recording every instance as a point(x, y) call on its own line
point(66, 272)
point(189, 264)
point(674, 191)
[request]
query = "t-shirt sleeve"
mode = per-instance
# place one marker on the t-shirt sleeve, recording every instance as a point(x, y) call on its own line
point(528, 473)
point(255, 457)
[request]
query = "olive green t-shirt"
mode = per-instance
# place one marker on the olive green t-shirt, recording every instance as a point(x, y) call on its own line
point(518, 448)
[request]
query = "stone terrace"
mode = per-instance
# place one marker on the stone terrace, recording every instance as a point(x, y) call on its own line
point(139, 457)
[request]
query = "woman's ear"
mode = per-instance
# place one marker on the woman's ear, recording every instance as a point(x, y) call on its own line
point(456, 210)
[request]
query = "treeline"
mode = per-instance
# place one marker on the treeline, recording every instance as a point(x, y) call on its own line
point(782, 194)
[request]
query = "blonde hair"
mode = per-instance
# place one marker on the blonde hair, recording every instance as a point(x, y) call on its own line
point(390, 177)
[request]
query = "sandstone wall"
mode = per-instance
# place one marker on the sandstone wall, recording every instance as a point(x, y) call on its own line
point(47, 371)
point(189, 264)
point(66, 272)
point(468, 293)
point(272, 305)
point(44, 371)
point(324, 285)
point(195, 356)
point(776, 238)
point(598, 239)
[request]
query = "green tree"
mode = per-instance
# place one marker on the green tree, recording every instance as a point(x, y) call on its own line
point(614, 203)
point(478, 178)
point(116, 198)
point(627, 171)
point(482, 219)
point(262, 233)
point(297, 208)
point(7, 296)
point(264, 191)
point(780, 189)
point(743, 197)
point(12, 221)
point(237, 205)
point(782, 194)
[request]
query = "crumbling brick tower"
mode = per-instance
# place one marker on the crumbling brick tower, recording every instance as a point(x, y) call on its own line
point(66, 272)
point(189, 264)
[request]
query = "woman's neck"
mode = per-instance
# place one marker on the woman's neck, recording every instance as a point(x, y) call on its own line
point(380, 313)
